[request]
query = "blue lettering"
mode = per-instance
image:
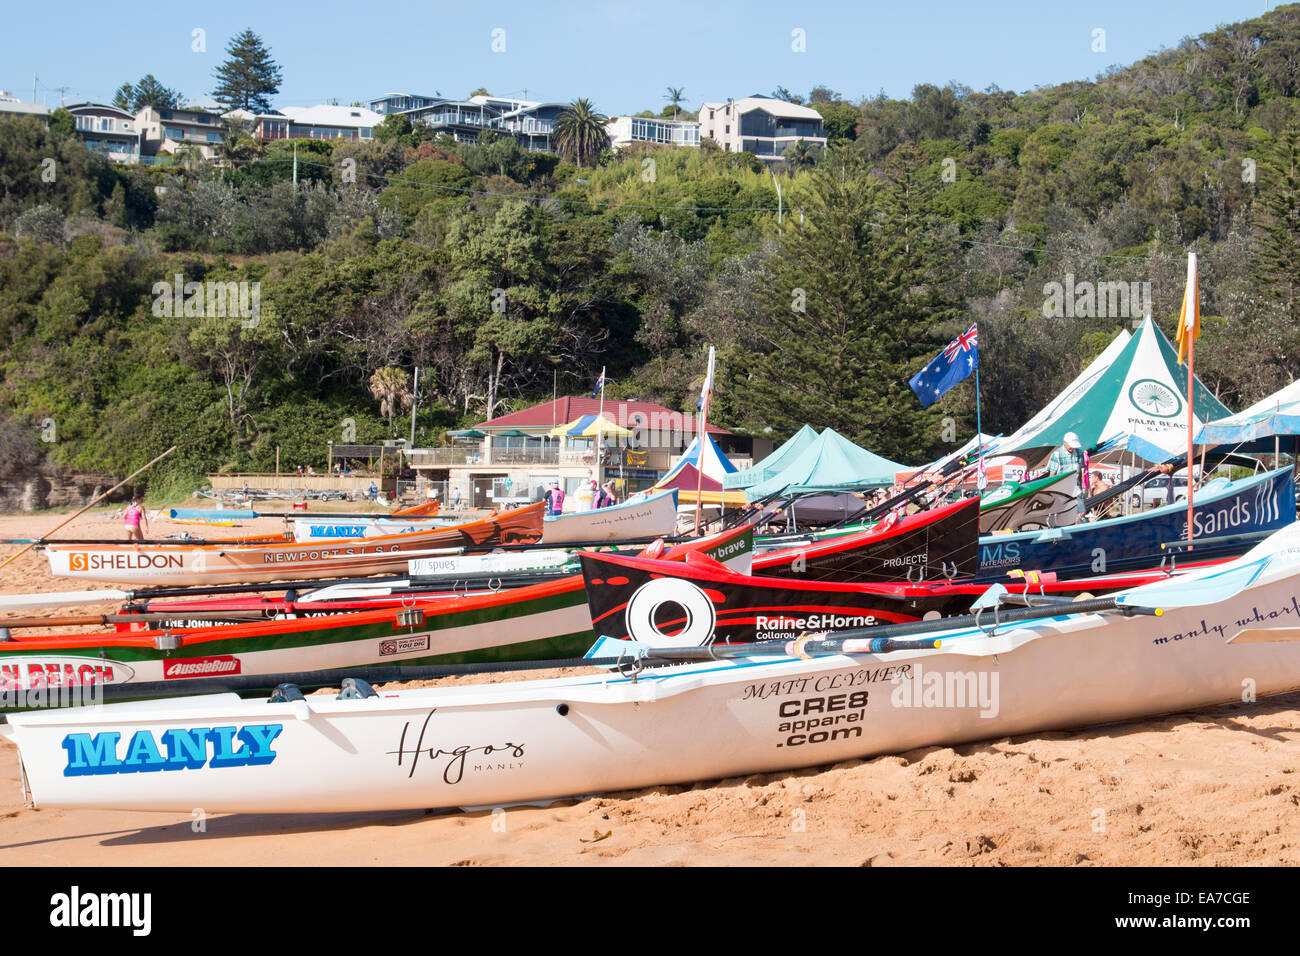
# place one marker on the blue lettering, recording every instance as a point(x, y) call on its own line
point(142, 754)
point(258, 737)
point(223, 749)
point(186, 749)
point(89, 756)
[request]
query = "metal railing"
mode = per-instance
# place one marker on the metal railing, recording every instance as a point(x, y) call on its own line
point(447, 457)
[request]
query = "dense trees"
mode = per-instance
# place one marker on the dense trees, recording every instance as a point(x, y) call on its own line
point(147, 92)
point(500, 271)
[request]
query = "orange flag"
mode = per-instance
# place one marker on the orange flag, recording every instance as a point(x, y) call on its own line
point(1189, 317)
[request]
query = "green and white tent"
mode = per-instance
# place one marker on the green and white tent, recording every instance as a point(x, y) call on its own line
point(1135, 387)
point(831, 463)
point(773, 463)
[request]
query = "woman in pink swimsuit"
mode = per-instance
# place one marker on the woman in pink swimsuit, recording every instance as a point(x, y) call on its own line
point(134, 515)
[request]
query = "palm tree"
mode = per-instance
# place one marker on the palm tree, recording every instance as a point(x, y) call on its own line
point(799, 156)
point(237, 144)
point(580, 132)
point(675, 97)
point(390, 389)
point(189, 155)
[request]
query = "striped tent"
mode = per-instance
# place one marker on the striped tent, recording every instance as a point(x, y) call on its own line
point(587, 427)
point(706, 465)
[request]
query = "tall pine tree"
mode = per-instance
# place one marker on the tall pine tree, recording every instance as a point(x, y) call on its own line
point(249, 78)
point(1275, 257)
point(852, 311)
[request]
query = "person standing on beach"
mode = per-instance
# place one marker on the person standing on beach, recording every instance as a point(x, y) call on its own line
point(132, 517)
point(606, 497)
point(555, 499)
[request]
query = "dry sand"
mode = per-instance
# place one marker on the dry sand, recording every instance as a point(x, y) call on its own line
point(1217, 787)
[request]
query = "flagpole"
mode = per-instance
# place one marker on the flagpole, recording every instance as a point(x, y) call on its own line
point(600, 422)
point(702, 438)
point(980, 481)
point(1191, 449)
point(1189, 327)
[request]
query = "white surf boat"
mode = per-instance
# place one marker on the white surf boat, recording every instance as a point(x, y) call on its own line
point(651, 516)
point(1226, 634)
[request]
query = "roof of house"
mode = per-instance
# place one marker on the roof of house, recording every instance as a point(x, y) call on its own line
point(343, 116)
point(566, 409)
point(99, 109)
point(332, 115)
point(17, 106)
point(771, 105)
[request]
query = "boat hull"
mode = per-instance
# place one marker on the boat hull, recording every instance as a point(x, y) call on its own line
point(1262, 503)
point(653, 517)
point(499, 744)
point(232, 564)
point(933, 545)
point(1050, 502)
point(329, 529)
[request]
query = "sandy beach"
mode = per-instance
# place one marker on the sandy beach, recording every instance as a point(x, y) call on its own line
point(1216, 787)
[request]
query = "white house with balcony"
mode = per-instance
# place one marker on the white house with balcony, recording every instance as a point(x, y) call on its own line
point(627, 131)
point(762, 125)
point(107, 130)
point(528, 121)
point(311, 122)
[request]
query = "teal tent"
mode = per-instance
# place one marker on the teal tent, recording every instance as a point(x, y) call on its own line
point(774, 462)
point(831, 463)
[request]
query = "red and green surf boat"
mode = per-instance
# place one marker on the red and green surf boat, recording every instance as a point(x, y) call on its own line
point(542, 621)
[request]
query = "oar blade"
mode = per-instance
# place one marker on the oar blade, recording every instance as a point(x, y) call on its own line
point(23, 602)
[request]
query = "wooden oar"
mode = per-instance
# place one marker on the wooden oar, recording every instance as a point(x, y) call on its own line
point(95, 620)
point(94, 502)
point(242, 542)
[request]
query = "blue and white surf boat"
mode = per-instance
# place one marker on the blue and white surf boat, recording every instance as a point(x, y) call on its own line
point(1260, 503)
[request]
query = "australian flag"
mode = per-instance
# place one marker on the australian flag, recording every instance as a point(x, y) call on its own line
point(959, 359)
point(600, 383)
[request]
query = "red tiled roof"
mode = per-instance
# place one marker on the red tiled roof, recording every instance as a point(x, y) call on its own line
point(561, 411)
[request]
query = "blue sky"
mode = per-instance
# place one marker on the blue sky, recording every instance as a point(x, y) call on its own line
point(622, 55)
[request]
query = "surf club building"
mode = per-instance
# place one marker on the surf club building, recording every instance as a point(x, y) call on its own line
point(514, 458)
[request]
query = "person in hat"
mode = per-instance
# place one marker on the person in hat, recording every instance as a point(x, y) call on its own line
point(1072, 457)
point(132, 518)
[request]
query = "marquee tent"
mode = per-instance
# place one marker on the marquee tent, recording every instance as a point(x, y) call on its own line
point(1138, 389)
point(773, 463)
point(831, 463)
